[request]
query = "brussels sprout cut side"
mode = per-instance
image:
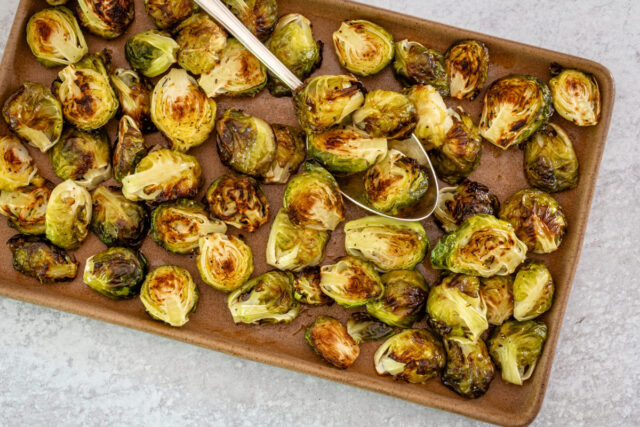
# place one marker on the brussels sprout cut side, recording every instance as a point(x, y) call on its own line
point(404, 299)
point(151, 52)
point(467, 199)
point(167, 14)
point(498, 295)
point(118, 221)
point(331, 341)
point(134, 94)
point(467, 63)
point(414, 64)
point(386, 114)
point(434, 120)
point(351, 282)
point(116, 273)
point(108, 19)
point(469, 370)
point(290, 153)
point(35, 257)
point(533, 291)
point(238, 201)
point(362, 47)
point(363, 327)
point(169, 294)
point(576, 95)
point(307, 287)
point(224, 262)
point(68, 215)
point(17, 168)
point(25, 207)
point(259, 16)
point(201, 41)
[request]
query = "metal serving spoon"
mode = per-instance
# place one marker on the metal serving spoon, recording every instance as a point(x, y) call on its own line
point(352, 186)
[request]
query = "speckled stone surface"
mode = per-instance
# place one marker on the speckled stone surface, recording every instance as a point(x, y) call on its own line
point(57, 368)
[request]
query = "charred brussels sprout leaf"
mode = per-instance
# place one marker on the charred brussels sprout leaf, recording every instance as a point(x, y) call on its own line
point(116, 273)
point(17, 168)
point(515, 347)
point(498, 295)
point(331, 341)
point(467, 63)
point(364, 327)
point(225, 262)
point(404, 299)
point(259, 16)
point(129, 148)
point(106, 18)
point(166, 14)
point(56, 2)
point(434, 119)
point(351, 282)
point(290, 152)
point(362, 47)
point(68, 215)
point(386, 114)
point(469, 370)
point(201, 41)
point(134, 94)
point(467, 199)
point(117, 221)
point(238, 201)
point(306, 287)
point(34, 256)
point(533, 291)
point(169, 294)
point(415, 64)
point(25, 207)
point(151, 52)
point(576, 95)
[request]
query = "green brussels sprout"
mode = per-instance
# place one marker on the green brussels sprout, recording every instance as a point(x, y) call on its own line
point(169, 294)
point(346, 150)
point(362, 47)
point(550, 162)
point(467, 199)
point(412, 355)
point(364, 327)
point(17, 168)
point(386, 114)
point(134, 94)
point(389, 244)
point(415, 64)
point(293, 44)
point(238, 73)
point(330, 340)
point(306, 287)
point(129, 148)
point(55, 38)
point(238, 201)
point(469, 370)
point(259, 16)
point(116, 273)
point(533, 291)
point(498, 295)
point(325, 101)
point(68, 215)
point(290, 152)
point(293, 248)
point(576, 95)
point(482, 246)
point(312, 199)
point(108, 19)
point(35, 115)
point(82, 156)
point(201, 41)
point(117, 221)
point(434, 118)
point(351, 282)
point(515, 107)
point(182, 111)
point(467, 64)
point(34, 256)
point(25, 207)
point(246, 143)
point(178, 226)
point(267, 298)
point(515, 348)
point(225, 262)
point(537, 218)
point(151, 52)
point(167, 14)
point(395, 183)
point(83, 89)
point(404, 299)
point(56, 2)
point(163, 175)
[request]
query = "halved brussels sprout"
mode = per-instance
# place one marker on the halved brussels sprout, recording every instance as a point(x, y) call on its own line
point(415, 64)
point(117, 221)
point(290, 152)
point(116, 273)
point(469, 370)
point(537, 218)
point(467, 199)
point(182, 111)
point(56, 2)
point(404, 299)
point(386, 114)
point(225, 262)
point(434, 119)
point(351, 282)
point(238, 73)
point(35, 115)
point(498, 295)
point(576, 95)
point(151, 52)
point(34, 256)
point(331, 341)
point(259, 16)
point(482, 246)
point(550, 162)
point(533, 291)
point(178, 226)
point(108, 19)
point(25, 207)
point(515, 107)
point(168, 13)
point(134, 93)
point(364, 327)
point(55, 38)
point(129, 148)
point(82, 156)
point(467, 63)
point(267, 298)
point(325, 101)
point(68, 215)
point(346, 150)
point(201, 41)
point(163, 175)
point(169, 294)
point(395, 183)
point(83, 89)
point(362, 47)
point(17, 168)
point(515, 348)
point(306, 287)
point(312, 199)
point(412, 355)
point(239, 201)
point(246, 143)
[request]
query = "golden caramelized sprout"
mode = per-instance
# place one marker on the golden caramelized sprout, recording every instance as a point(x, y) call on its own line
point(362, 47)
point(533, 290)
point(576, 95)
point(434, 118)
point(201, 41)
point(498, 295)
point(259, 16)
point(68, 215)
point(351, 282)
point(225, 262)
point(116, 273)
point(25, 207)
point(151, 52)
point(415, 64)
point(166, 14)
point(169, 294)
point(290, 153)
point(467, 63)
point(404, 299)
point(34, 256)
point(129, 148)
point(516, 348)
point(134, 94)
point(108, 19)
point(117, 221)
point(386, 114)
point(306, 287)
point(238, 201)
point(331, 341)
point(467, 199)
point(17, 168)
point(469, 370)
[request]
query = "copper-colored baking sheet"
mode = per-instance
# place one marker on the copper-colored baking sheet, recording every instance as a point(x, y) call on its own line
point(283, 345)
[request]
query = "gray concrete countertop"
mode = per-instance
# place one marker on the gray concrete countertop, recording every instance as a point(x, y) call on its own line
point(57, 368)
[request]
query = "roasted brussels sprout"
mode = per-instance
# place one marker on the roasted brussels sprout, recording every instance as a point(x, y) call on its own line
point(386, 114)
point(182, 111)
point(178, 226)
point(456, 204)
point(331, 341)
point(68, 215)
point(129, 148)
point(312, 199)
point(34, 256)
point(414, 64)
point(151, 52)
point(82, 156)
point(434, 119)
point(201, 41)
point(325, 101)
point(169, 294)
point(467, 63)
point(515, 107)
point(108, 19)
point(306, 287)
point(395, 183)
point(267, 298)
point(404, 299)
point(134, 94)
point(116, 273)
point(163, 175)
point(515, 348)
point(498, 295)
point(346, 150)
point(469, 370)
point(482, 246)
point(25, 207)
point(412, 355)
point(168, 13)
point(17, 168)
point(259, 16)
point(35, 115)
point(117, 221)
point(364, 327)
point(290, 152)
point(238, 201)
point(351, 282)
point(56, 2)
point(537, 218)
point(55, 38)
point(576, 95)
point(362, 47)
point(533, 291)
point(225, 262)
